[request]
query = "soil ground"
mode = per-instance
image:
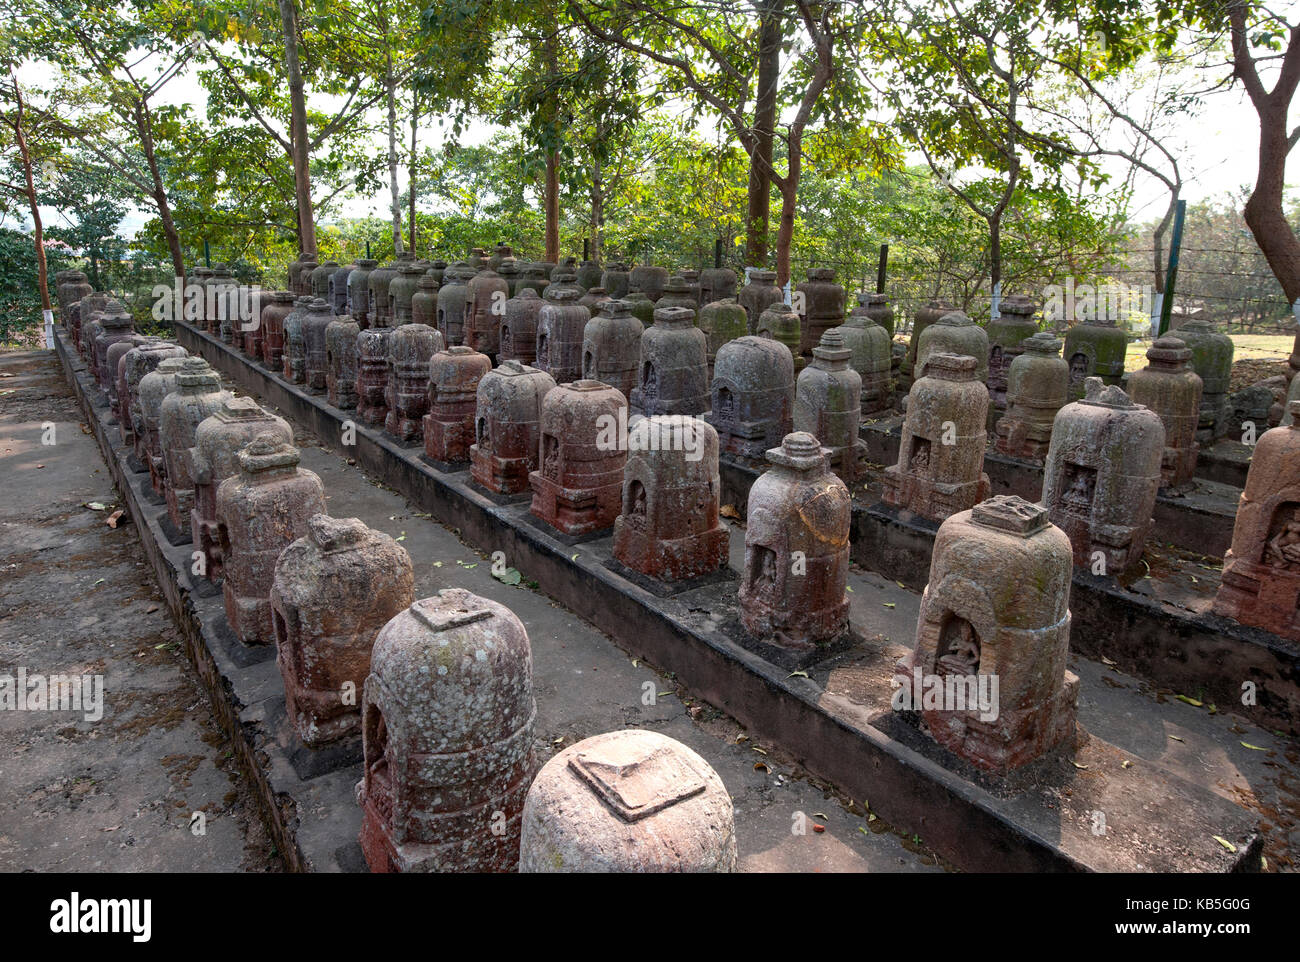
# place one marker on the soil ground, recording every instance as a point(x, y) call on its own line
point(76, 597)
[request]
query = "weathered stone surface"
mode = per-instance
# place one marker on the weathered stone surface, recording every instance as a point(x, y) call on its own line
point(201, 278)
point(75, 315)
point(823, 308)
point(758, 295)
point(753, 394)
point(1292, 394)
point(251, 301)
point(246, 330)
point(1212, 354)
point(594, 297)
point(1038, 385)
point(89, 310)
point(669, 527)
point(722, 321)
point(828, 405)
point(717, 284)
point(507, 426)
point(940, 469)
point(995, 631)
point(518, 340)
point(401, 292)
point(651, 279)
point(115, 362)
point(567, 266)
point(1260, 404)
point(1102, 475)
point(673, 376)
point(72, 286)
point(112, 325)
point(877, 308)
point(485, 305)
point(453, 296)
point(923, 318)
point(197, 396)
point(611, 347)
point(300, 282)
point(447, 721)
point(677, 293)
point(453, 378)
point(320, 280)
point(642, 308)
point(140, 363)
point(154, 387)
point(561, 324)
point(1006, 334)
point(315, 321)
point(510, 273)
point(409, 350)
point(1169, 387)
point(437, 269)
point(792, 589)
point(294, 367)
point(1095, 349)
point(533, 278)
point(341, 363)
point(578, 485)
point(260, 512)
point(372, 373)
point(293, 272)
point(782, 325)
point(359, 291)
point(871, 356)
point(588, 276)
point(563, 282)
point(219, 313)
point(331, 593)
point(338, 286)
point(499, 253)
point(214, 457)
point(629, 801)
point(276, 306)
point(691, 278)
point(954, 333)
point(1261, 571)
point(380, 304)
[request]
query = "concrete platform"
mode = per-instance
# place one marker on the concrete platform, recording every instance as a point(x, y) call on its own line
point(848, 739)
point(1200, 520)
point(1176, 641)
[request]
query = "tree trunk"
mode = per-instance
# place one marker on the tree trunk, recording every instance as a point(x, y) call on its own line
point(1158, 244)
point(143, 124)
point(415, 121)
point(785, 232)
point(553, 207)
point(38, 231)
point(760, 158)
point(995, 250)
point(552, 165)
point(298, 127)
point(597, 211)
point(1264, 215)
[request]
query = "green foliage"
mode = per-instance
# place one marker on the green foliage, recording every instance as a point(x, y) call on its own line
point(20, 298)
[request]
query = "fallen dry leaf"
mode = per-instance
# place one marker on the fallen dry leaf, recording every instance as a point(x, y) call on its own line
point(111, 520)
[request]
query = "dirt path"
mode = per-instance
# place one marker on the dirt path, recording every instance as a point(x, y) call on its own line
point(120, 793)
